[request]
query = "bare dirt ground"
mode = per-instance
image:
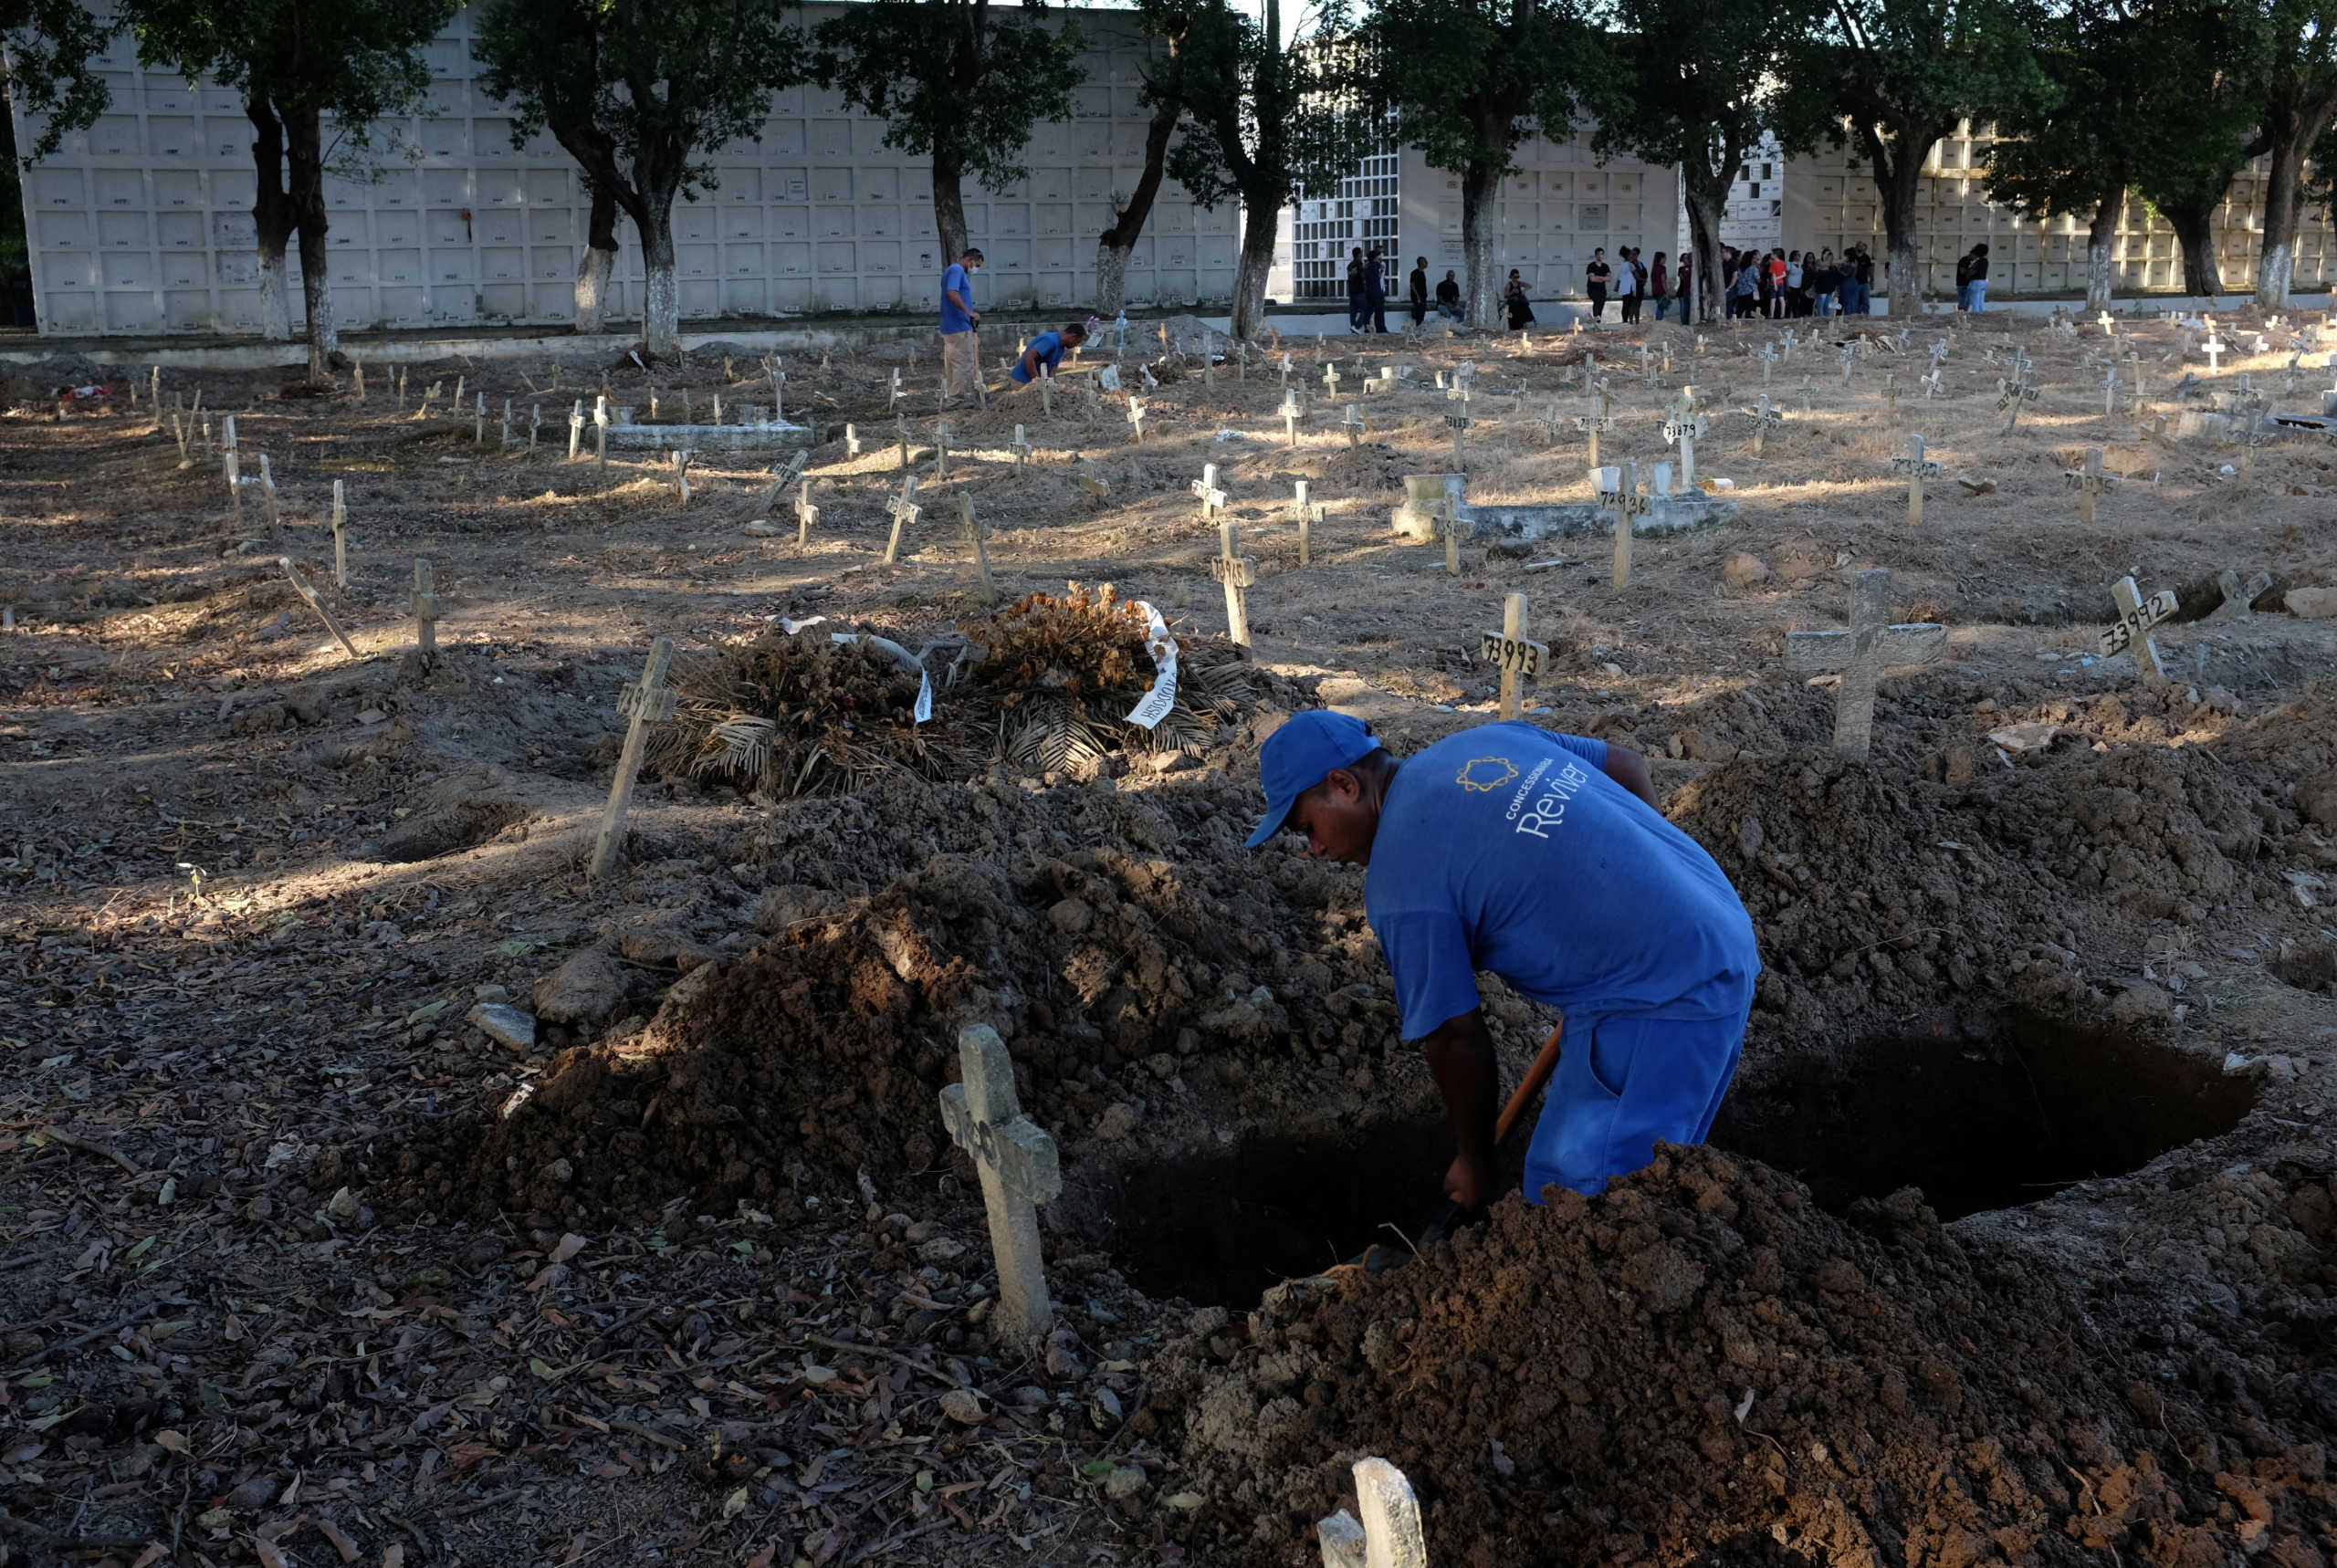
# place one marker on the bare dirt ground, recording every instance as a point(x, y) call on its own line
point(301, 1266)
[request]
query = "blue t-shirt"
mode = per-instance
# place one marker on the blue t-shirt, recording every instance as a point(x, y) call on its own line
point(1048, 347)
point(1507, 848)
point(952, 319)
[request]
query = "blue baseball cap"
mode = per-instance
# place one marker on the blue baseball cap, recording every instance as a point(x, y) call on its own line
point(1296, 756)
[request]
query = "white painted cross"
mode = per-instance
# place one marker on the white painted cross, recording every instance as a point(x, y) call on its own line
point(1458, 422)
point(851, 441)
point(1390, 1533)
point(1511, 653)
point(806, 514)
point(1308, 514)
point(1917, 468)
point(1681, 430)
point(1136, 416)
point(1765, 420)
point(309, 596)
point(1596, 419)
point(1212, 499)
point(646, 702)
point(2214, 348)
point(904, 510)
point(1331, 382)
point(2130, 632)
point(1019, 1169)
point(426, 607)
point(1239, 574)
point(1292, 413)
point(1859, 656)
point(1020, 447)
point(2108, 328)
point(1357, 426)
point(2089, 482)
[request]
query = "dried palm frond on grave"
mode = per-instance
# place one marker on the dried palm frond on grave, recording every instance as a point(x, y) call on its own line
point(805, 715)
point(1064, 669)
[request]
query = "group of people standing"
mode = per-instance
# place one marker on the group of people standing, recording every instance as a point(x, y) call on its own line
point(1368, 291)
point(1630, 282)
point(1787, 283)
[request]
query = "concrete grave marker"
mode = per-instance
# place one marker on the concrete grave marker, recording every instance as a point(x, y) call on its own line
point(806, 514)
point(1239, 574)
point(309, 596)
point(1357, 426)
point(1511, 653)
point(1020, 447)
point(977, 535)
point(645, 702)
point(1389, 1536)
point(1917, 468)
point(1212, 499)
point(1859, 656)
point(904, 510)
point(2089, 482)
point(1765, 420)
point(2237, 596)
point(2130, 632)
point(1018, 1168)
point(1307, 513)
point(1293, 412)
point(1458, 421)
point(424, 604)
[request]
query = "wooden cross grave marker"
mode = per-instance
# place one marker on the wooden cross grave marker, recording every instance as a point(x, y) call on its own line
point(309, 596)
point(1293, 412)
point(901, 435)
point(2130, 632)
point(2010, 394)
point(1681, 430)
point(1454, 527)
point(1511, 653)
point(1356, 426)
point(339, 537)
point(427, 610)
point(1621, 493)
point(1046, 393)
point(1768, 357)
point(2214, 348)
point(1917, 468)
point(851, 441)
point(645, 702)
point(2089, 482)
point(1458, 421)
point(1596, 419)
point(1307, 513)
point(1020, 447)
point(1804, 395)
point(1018, 1168)
point(1212, 499)
point(940, 448)
point(1331, 382)
point(2239, 597)
point(1136, 416)
point(681, 475)
point(1091, 483)
point(1239, 574)
point(786, 473)
point(977, 535)
point(1389, 1535)
point(1765, 420)
point(904, 510)
point(1859, 656)
point(806, 514)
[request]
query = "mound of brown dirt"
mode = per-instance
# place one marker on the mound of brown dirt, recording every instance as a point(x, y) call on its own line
point(1701, 1365)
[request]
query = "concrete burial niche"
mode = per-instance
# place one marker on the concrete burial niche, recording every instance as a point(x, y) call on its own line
point(766, 437)
point(1416, 518)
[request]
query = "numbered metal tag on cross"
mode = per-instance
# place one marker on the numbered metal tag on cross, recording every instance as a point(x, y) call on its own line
point(905, 511)
point(645, 703)
point(1513, 652)
point(1765, 420)
point(1619, 492)
point(1239, 574)
point(1356, 426)
point(2130, 632)
point(2090, 481)
point(1917, 468)
point(1859, 656)
point(1458, 421)
point(1018, 1168)
point(1204, 488)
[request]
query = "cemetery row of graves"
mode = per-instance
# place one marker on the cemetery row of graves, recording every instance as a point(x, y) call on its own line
point(654, 960)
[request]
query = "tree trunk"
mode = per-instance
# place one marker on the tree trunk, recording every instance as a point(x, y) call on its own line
point(1481, 290)
point(2100, 235)
point(304, 149)
point(1258, 220)
point(1902, 273)
point(2194, 231)
point(1127, 225)
point(1707, 200)
point(598, 262)
point(661, 298)
point(272, 220)
point(2283, 193)
point(950, 210)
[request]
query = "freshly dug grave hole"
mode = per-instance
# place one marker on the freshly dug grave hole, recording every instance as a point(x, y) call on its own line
point(1990, 1122)
point(1218, 1227)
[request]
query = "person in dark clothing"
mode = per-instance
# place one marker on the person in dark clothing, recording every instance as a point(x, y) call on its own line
point(1521, 311)
point(1375, 290)
point(1419, 290)
point(1355, 289)
point(1595, 279)
point(1684, 281)
point(1448, 297)
point(1976, 290)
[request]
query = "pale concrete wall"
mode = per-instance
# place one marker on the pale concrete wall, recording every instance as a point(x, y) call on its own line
point(143, 224)
point(1831, 202)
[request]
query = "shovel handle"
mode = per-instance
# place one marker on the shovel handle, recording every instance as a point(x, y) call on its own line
point(1536, 1077)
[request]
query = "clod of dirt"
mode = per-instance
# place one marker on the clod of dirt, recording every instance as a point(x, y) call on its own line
point(586, 989)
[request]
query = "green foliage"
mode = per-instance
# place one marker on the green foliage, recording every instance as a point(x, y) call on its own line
point(48, 54)
point(660, 87)
point(1683, 81)
point(953, 81)
point(1268, 120)
point(1461, 76)
point(356, 61)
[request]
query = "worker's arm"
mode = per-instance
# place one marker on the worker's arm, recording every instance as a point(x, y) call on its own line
point(959, 301)
point(1030, 363)
point(1461, 1054)
point(1629, 768)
